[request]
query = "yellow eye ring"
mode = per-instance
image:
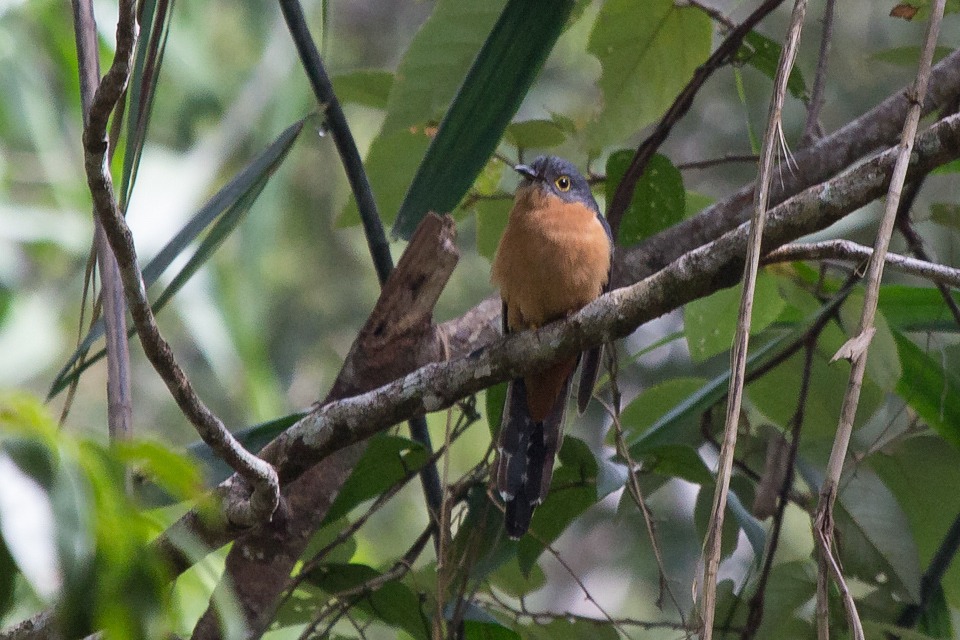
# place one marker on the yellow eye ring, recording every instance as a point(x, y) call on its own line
point(563, 183)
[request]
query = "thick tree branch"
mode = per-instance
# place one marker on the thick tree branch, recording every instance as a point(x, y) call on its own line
point(259, 474)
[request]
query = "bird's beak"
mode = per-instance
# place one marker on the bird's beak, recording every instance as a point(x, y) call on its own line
point(526, 172)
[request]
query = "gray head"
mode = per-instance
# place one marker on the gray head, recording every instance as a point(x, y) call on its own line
point(560, 178)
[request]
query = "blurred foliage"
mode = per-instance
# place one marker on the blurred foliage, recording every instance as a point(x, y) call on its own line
point(240, 209)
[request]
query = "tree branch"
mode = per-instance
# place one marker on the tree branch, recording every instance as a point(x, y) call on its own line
point(260, 475)
point(119, 397)
point(848, 250)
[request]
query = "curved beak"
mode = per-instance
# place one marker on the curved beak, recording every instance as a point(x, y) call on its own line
point(527, 172)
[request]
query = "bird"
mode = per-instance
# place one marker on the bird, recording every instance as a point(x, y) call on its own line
point(553, 259)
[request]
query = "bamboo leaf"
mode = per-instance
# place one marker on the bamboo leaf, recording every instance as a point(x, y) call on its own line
point(490, 95)
point(234, 199)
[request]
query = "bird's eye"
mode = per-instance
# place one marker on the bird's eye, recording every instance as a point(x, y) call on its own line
point(563, 183)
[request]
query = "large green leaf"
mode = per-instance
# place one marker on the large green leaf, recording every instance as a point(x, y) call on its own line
point(647, 51)
point(931, 391)
point(386, 461)
point(921, 473)
point(234, 200)
point(909, 308)
point(369, 87)
point(426, 82)
point(391, 163)
point(876, 533)
point(659, 199)
point(502, 73)
point(711, 322)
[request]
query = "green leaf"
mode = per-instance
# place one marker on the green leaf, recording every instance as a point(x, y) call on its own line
point(909, 308)
point(877, 533)
point(677, 461)
point(436, 61)
point(659, 200)
point(710, 322)
point(774, 395)
point(394, 603)
point(763, 54)
point(652, 405)
point(671, 426)
point(949, 167)
point(502, 73)
point(475, 630)
point(647, 51)
point(234, 199)
point(936, 620)
point(562, 629)
point(946, 214)
point(368, 87)
point(386, 460)
point(214, 469)
point(535, 134)
point(173, 473)
point(921, 473)
point(391, 162)
point(492, 216)
point(908, 56)
point(931, 391)
point(495, 398)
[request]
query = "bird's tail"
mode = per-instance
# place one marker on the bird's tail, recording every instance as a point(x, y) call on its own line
point(526, 447)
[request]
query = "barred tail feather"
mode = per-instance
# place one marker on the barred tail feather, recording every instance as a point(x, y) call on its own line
point(526, 450)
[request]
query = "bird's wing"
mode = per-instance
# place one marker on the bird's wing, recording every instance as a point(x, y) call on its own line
point(592, 357)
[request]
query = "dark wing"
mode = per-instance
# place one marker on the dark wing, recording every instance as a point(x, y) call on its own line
point(592, 357)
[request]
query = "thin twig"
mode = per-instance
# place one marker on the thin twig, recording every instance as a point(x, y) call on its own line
point(713, 162)
point(848, 250)
point(723, 54)
point(813, 130)
point(119, 397)
point(741, 339)
point(858, 345)
point(546, 617)
point(260, 475)
point(633, 487)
